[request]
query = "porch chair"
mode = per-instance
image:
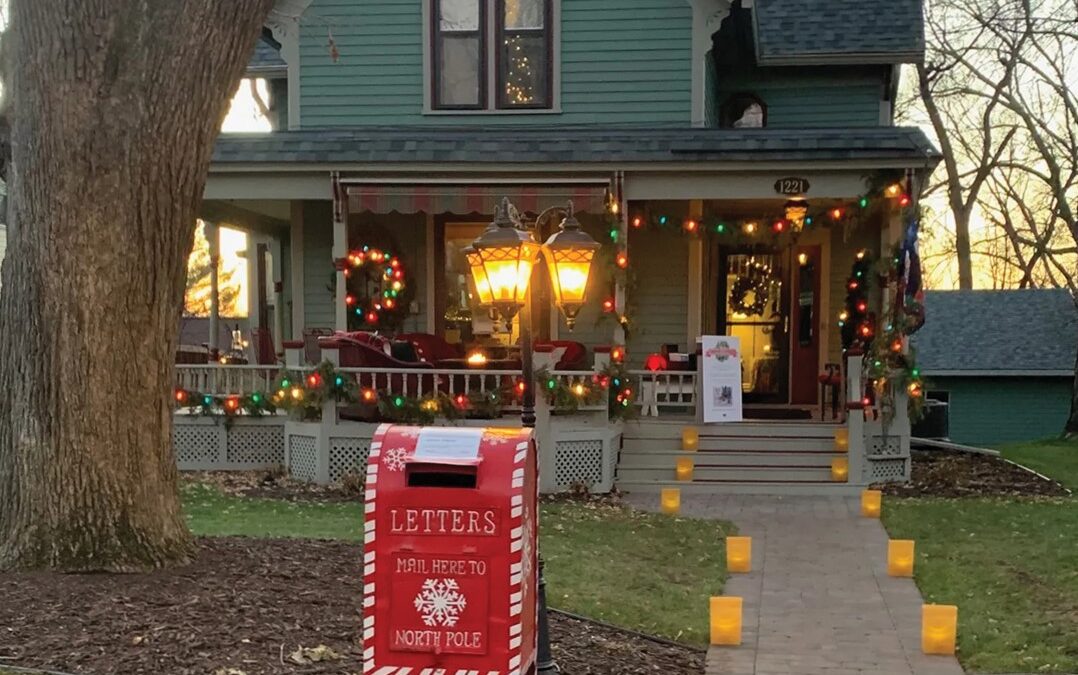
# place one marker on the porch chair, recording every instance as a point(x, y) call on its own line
point(432, 348)
point(312, 354)
point(830, 381)
point(574, 356)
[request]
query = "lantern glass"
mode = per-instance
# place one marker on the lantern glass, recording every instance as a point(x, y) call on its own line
point(569, 254)
point(501, 261)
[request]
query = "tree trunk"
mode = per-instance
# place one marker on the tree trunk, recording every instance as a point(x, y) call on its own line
point(963, 249)
point(115, 106)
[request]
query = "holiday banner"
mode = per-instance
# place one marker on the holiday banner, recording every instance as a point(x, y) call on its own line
point(721, 390)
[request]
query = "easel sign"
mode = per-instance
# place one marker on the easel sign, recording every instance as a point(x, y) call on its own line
point(721, 390)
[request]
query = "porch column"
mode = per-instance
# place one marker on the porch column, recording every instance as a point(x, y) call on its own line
point(340, 250)
point(296, 252)
point(620, 298)
point(696, 278)
point(277, 277)
point(213, 238)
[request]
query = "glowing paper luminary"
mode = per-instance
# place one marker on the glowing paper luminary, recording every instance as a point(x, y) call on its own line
point(684, 469)
point(900, 557)
point(569, 254)
point(842, 439)
point(871, 501)
point(690, 439)
point(726, 621)
point(939, 629)
point(671, 501)
point(739, 554)
point(840, 469)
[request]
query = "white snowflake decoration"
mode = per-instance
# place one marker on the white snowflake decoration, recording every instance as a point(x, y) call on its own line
point(408, 432)
point(393, 459)
point(495, 440)
point(440, 602)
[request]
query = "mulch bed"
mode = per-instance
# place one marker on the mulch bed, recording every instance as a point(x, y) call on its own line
point(945, 473)
point(246, 606)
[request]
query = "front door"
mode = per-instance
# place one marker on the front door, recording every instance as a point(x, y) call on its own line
point(755, 309)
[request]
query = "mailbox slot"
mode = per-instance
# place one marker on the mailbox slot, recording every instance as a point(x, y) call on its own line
point(428, 474)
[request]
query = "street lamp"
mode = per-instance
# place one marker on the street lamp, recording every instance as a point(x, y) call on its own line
point(501, 262)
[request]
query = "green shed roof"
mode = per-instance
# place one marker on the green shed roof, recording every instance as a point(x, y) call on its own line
point(990, 332)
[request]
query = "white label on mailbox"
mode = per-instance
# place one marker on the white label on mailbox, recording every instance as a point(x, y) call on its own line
point(448, 444)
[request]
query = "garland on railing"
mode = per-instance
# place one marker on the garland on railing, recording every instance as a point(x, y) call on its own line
point(611, 384)
point(232, 405)
point(305, 394)
point(424, 410)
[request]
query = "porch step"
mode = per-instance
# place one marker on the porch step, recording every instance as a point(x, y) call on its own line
point(665, 459)
point(671, 428)
point(730, 444)
point(730, 473)
point(800, 489)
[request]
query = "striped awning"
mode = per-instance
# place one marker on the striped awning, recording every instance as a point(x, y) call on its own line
point(463, 199)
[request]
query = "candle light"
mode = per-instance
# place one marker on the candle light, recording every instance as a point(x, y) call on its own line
point(726, 621)
point(739, 554)
point(871, 501)
point(671, 501)
point(939, 629)
point(900, 557)
point(684, 469)
point(840, 469)
point(690, 439)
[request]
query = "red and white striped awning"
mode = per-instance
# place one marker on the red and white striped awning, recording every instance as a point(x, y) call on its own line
point(589, 197)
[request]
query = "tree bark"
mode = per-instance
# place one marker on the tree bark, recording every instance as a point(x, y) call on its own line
point(115, 108)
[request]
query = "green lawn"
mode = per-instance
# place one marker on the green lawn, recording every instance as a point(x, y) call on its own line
point(639, 570)
point(1011, 566)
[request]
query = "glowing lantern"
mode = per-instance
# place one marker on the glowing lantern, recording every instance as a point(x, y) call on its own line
point(671, 501)
point(840, 469)
point(739, 554)
point(871, 501)
point(684, 469)
point(501, 262)
point(900, 557)
point(796, 212)
point(477, 360)
point(725, 621)
point(690, 439)
point(939, 629)
point(569, 254)
point(842, 439)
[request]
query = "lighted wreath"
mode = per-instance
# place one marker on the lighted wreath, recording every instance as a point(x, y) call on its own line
point(759, 287)
point(377, 288)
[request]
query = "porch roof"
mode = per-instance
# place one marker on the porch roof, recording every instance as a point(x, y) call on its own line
point(898, 147)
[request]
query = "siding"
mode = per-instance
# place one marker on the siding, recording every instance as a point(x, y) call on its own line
point(810, 97)
point(994, 410)
point(711, 104)
point(318, 310)
point(622, 62)
point(659, 301)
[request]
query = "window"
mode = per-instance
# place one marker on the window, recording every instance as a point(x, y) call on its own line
point(743, 111)
point(513, 39)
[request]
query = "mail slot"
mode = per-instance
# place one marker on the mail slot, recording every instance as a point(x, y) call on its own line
point(449, 581)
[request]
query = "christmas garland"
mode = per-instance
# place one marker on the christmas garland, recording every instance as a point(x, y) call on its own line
point(611, 385)
point(233, 405)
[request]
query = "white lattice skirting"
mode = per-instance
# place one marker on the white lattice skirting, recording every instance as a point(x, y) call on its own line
point(217, 444)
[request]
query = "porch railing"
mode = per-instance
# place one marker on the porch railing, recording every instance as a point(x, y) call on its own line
point(665, 391)
point(225, 380)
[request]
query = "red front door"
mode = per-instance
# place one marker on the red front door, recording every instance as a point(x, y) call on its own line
point(805, 325)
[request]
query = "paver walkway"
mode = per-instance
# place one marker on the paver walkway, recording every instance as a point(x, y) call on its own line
point(818, 601)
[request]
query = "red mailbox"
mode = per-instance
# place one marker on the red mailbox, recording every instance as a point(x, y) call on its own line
point(449, 580)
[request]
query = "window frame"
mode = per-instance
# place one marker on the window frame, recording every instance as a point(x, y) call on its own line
point(434, 72)
point(500, 35)
point(490, 10)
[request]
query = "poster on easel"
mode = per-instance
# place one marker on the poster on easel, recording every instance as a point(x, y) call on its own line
point(721, 390)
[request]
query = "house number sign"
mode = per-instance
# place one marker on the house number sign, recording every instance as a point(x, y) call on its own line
point(792, 185)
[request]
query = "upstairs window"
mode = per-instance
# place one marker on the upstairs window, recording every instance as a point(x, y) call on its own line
point(492, 54)
point(743, 111)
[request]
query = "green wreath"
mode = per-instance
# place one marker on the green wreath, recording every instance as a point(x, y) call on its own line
point(760, 287)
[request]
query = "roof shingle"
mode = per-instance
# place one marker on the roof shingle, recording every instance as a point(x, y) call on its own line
point(998, 330)
point(838, 31)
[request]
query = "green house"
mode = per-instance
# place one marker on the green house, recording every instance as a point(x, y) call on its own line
point(1002, 361)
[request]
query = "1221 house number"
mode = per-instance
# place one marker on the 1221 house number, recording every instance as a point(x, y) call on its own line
point(792, 186)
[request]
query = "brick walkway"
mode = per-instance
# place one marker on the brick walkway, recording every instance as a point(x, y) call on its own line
point(818, 601)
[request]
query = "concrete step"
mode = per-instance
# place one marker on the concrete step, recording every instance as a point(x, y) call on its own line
point(768, 429)
point(724, 444)
point(815, 489)
point(731, 473)
point(666, 459)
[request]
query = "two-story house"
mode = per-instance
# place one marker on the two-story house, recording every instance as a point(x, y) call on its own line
point(732, 157)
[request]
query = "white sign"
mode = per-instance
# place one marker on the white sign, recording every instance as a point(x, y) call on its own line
point(721, 389)
point(448, 443)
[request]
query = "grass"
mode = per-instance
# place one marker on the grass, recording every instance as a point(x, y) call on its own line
point(639, 570)
point(1011, 566)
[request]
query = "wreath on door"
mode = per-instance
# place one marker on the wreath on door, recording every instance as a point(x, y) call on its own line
point(756, 287)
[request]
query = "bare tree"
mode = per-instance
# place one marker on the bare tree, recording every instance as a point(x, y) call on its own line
point(114, 108)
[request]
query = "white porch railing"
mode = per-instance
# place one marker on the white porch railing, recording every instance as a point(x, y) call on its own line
point(225, 380)
point(673, 390)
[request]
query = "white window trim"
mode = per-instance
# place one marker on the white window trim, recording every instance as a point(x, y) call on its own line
point(492, 75)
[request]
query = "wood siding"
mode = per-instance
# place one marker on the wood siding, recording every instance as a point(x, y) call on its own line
point(318, 310)
point(625, 62)
point(810, 97)
point(988, 411)
point(659, 299)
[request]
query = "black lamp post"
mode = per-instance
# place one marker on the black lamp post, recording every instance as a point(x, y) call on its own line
point(501, 262)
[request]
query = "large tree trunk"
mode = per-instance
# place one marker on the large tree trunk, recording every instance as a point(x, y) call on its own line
point(115, 108)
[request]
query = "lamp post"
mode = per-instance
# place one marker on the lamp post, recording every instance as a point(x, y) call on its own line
point(501, 262)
